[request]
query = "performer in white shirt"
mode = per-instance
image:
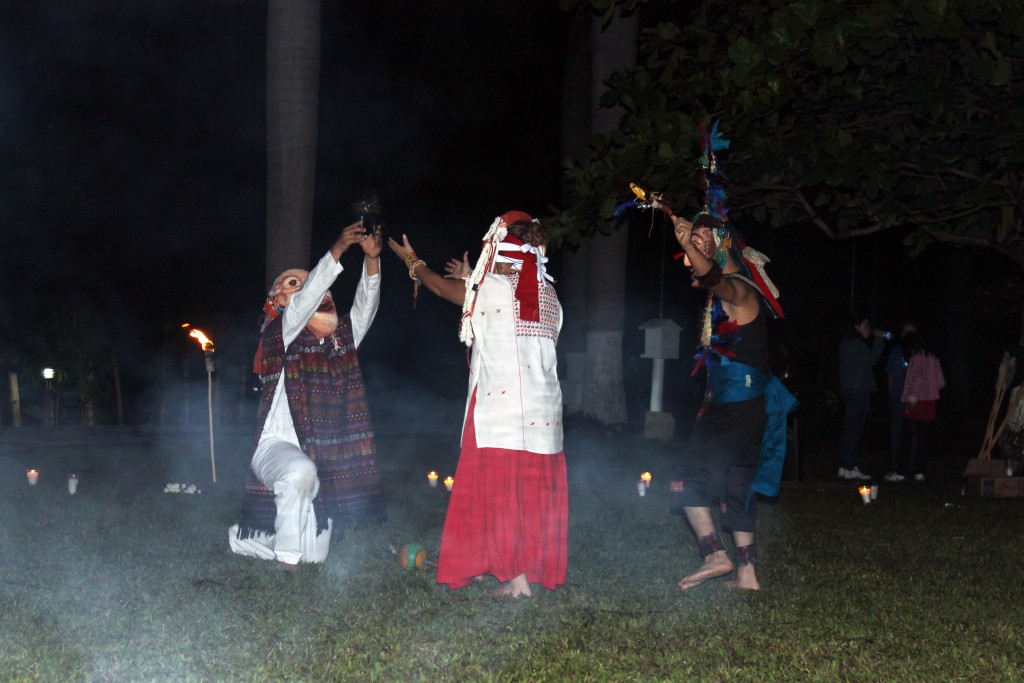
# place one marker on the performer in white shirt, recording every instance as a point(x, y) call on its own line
point(509, 510)
point(314, 470)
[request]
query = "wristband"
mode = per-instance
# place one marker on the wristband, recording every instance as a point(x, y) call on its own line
point(710, 278)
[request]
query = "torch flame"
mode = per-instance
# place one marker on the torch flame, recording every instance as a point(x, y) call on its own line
point(198, 335)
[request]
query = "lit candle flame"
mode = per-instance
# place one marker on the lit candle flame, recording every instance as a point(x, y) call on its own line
point(646, 478)
point(205, 342)
point(865, 494)
point(448, 483)
point(432, 478)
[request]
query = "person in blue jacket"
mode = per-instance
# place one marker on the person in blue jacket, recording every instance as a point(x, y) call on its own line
point(859, 350)
point(896, 371)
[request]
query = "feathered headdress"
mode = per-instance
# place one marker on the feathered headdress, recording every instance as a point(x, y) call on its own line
point(715, 215)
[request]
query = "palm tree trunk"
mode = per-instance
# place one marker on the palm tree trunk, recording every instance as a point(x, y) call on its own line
point(576, 122)
point(604, 396)
point(293, 81)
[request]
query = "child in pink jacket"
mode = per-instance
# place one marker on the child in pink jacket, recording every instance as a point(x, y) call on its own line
point(920, 398)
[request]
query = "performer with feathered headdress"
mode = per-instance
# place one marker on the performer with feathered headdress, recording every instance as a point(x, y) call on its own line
point(738, 444)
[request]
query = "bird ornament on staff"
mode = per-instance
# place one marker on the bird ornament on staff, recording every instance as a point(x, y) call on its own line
point(713, 214)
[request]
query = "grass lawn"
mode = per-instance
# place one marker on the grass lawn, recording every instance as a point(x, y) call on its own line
point(122, 582)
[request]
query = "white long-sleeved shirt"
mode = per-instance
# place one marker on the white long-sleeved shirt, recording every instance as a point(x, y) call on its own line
point(297, 314)
point(514, 371)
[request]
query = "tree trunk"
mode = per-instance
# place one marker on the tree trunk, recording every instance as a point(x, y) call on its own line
point(604, 396)
point(118, 397)
point(576, 122)
point(12, 382)
point(88, 412)
point(162, 405)
point(958, 306)
point(293, 79)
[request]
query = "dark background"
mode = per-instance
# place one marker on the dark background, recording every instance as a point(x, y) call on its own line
point(132, 200)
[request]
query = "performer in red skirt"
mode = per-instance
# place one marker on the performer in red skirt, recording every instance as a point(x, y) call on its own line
point(509, 510)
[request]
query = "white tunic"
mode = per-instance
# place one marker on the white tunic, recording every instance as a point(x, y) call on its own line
point(279, 462)
point(514, 370)
point(298, 313)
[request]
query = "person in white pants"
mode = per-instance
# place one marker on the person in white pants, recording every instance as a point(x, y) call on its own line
point(279, 462)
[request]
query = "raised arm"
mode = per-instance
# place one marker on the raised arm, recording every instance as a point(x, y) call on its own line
point(304, 302)
point(450, 290)
point(706, 272)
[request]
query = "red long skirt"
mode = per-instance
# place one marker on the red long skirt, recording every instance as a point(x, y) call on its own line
point(508, 515)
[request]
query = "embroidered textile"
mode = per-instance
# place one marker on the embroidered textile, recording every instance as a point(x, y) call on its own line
point(331, 416)
point(547, 323)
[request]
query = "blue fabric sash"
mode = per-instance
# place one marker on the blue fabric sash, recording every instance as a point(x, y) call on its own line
point(733, 382)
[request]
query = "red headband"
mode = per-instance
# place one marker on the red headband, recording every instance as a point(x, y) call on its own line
point(510, 217)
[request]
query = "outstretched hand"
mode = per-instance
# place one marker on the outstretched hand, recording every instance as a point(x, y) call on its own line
point(448, 290)
point(350, 235)
point(401, 250)
point(373, 243)
point(456, 269)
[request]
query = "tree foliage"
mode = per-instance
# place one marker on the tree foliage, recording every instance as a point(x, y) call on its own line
point(854, 116)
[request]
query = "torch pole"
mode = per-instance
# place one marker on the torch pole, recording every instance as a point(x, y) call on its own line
point(209, 405)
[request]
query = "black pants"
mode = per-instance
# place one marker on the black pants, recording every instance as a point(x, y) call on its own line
point(918, 432)
point(720, 460)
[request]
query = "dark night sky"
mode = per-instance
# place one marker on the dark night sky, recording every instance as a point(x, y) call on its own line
point(133, 133)
point(132, 153)
point(133, 184)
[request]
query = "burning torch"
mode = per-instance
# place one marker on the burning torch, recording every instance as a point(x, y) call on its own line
point(207, 345)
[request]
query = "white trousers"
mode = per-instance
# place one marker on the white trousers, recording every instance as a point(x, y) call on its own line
point(283, 468)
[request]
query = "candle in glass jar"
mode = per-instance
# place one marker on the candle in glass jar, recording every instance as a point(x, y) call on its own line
point(33, 477)
point(432, 478)
point(865, 494)
point(449, 483)
point(646, 479)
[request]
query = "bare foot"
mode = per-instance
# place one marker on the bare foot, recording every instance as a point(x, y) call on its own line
point(746, 578)
point(515, 588)
point(715, 565)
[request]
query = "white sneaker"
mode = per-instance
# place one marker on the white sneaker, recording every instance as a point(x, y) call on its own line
point(918, 477)
point(855, 473)
point(893, 476)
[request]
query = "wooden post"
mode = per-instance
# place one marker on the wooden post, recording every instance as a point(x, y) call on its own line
point(117, 392)
point(209, 405)
point(12, 379)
